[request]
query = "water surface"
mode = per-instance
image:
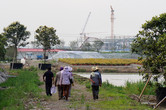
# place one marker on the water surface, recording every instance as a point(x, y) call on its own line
point(117, 79)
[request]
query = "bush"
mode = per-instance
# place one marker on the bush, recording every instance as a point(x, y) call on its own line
point(32, 68)
point(136, 88)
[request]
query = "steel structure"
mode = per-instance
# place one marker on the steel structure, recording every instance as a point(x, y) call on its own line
point(83, 30)
point(112, 22)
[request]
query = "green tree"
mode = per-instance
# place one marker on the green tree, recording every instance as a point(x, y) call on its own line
point(150, 42)
point(86, 46)
point(73, 45)
point(46, 37)
point(97, 45)
point(9, 53)
point(2, 47)
point(16, 35)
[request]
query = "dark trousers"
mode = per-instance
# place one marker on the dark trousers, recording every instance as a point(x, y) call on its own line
point(60, 91)
point(48, 89)
point(66, 91)
point(70, 90)
point(95, 92)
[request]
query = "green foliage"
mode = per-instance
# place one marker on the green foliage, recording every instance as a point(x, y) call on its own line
point(32, 68)
point(113, 97)
point(2, 47)
point(74, 45)
point(46, 38)
point(109, 70)
point(150, 42)
point(82, 99)
point(9, 53)
point(88, 85)
point(136, 88)
point(24, 86)
point(86, 46)
point(97, 45)
point(16, 35)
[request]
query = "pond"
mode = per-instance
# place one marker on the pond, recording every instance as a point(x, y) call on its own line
point(117, 79)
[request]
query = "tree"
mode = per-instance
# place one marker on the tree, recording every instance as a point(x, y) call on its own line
point(9, 52)
point(97, 45)
point(73, 45)
point(86, 46)
point(16, 35)
point(2, 47)
point(47, 38)
point(150, 42)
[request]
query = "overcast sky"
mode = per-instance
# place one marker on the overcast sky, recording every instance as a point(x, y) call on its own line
point(68, 16)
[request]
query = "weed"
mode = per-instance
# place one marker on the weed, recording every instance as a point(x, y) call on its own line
point(82, 99)
point(24, 86)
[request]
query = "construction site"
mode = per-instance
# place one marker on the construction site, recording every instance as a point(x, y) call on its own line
point(111, 43)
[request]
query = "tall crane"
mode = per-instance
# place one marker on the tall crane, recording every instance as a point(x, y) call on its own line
point(82, 33)
point(112, 22)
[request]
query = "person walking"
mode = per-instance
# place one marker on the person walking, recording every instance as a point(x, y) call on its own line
point(58, 83)
point(95, 79)
point(71, 80)
point(98, 70)
point(48, 78)
point(65, 81)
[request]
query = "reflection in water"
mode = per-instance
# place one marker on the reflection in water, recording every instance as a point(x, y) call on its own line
point(118, 79)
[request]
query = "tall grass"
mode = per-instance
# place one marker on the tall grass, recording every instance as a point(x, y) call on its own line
point(137, 87)
point(131, 88)
point(112, 97)
point(19, 89)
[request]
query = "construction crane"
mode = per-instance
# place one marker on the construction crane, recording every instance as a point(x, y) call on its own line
point(82, 33)
point(112, 22)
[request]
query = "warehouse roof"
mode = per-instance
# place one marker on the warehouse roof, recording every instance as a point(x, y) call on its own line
point(36, 50)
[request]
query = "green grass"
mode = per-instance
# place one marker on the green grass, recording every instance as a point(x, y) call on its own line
point(116, 98)
point(19, 89)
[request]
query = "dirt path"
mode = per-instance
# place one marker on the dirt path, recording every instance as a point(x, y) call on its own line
point(78, 93)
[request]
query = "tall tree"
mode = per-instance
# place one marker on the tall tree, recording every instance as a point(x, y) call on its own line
point(16, 35)
point(9, 52)
point(46, 36)
point(150, 42)
point(2, 47)
point(86, 46)
point(73, 45)
point(97, 45)
point(62, 43)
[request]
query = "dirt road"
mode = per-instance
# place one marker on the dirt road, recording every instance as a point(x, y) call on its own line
point(78, 93)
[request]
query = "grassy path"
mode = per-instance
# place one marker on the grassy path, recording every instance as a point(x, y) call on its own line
point(26, 92)
point(81, 99)
point(76, 101)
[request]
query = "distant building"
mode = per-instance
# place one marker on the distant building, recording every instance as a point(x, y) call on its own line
point(35, 53)
point(117, 44)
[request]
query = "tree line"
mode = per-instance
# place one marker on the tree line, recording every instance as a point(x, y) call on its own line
point(15, 35)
